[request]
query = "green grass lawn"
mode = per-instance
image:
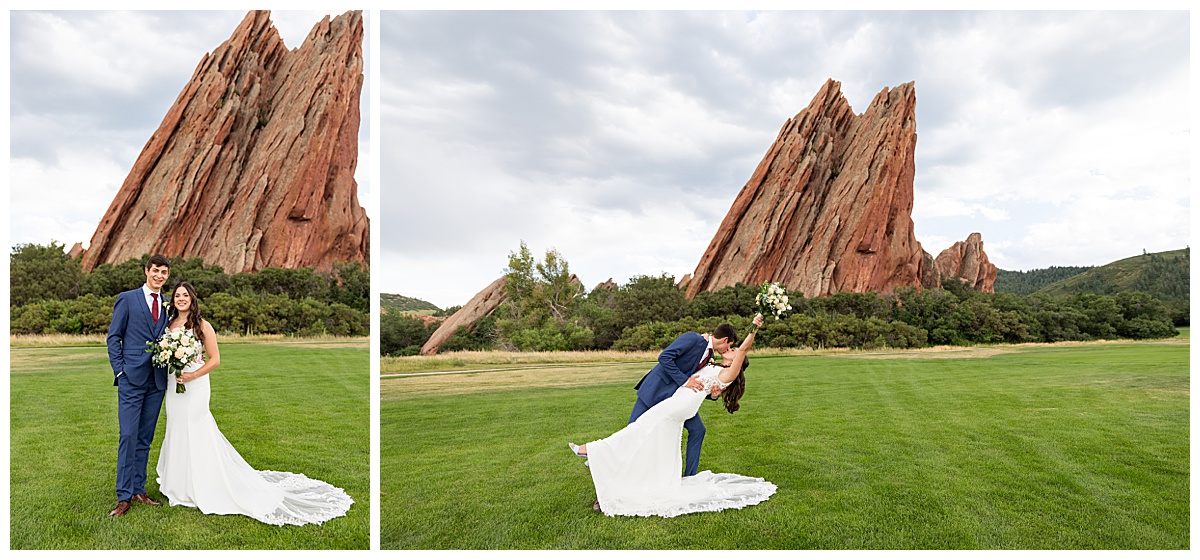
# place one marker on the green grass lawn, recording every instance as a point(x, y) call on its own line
point(299, 407)
point(1038, 447)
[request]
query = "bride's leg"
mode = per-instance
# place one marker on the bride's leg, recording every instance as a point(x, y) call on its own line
point(580, 450)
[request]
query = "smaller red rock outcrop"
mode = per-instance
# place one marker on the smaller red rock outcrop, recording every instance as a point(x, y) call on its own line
point(967, 261)
point(606, 285)
point(480, 306)
point(427, 319)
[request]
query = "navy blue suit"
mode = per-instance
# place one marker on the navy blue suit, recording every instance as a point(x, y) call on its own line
point(140, 386)
point(676, 364)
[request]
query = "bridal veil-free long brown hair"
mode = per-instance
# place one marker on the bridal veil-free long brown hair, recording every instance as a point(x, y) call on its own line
point(736, 388)
point(194, 319)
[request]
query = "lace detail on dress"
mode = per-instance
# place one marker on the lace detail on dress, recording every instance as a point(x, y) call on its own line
point(719, 491)
point(305, 500)
point(709, 377)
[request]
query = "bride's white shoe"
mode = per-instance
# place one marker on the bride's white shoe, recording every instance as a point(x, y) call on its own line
point(575, 450)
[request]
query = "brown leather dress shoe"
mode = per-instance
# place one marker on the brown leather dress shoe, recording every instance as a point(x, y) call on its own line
point(144, 499)
point(122, 507)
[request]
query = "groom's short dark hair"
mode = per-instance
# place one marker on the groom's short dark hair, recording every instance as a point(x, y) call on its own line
point(158, 260)
point(726, 331)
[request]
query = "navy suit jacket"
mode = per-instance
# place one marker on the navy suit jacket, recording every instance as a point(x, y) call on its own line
point(132, 327)
point(676, 364)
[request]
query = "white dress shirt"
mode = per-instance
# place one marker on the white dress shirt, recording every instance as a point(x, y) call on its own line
point(146, 291)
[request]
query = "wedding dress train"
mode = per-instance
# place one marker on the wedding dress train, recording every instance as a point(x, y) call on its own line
point(198, 467)
point(636, 471)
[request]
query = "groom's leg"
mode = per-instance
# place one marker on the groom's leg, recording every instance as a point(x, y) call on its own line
point(129, 413)
point(695, 430)
point(148, 421)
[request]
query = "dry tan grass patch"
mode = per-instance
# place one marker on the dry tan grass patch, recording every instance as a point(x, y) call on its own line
point(48, 340)
point(561, 376)
point(472, 360)
point(67, 340)
point(43, 360)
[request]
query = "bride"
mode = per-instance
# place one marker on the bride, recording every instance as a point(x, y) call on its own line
point(197, 466)
point(636, 471)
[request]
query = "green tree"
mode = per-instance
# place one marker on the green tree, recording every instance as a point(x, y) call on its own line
point(543, 297)
point(403, 335)
point(1144, 316)
point(110, 280)
point(206, 279)
point(737, 299)
point(480, 336)
point(643, 299)
point(37, 272)
point(297, 283)
point(350, 284)
point(521, 284)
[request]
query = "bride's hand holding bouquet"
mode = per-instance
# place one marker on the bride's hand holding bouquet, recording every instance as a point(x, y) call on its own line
point(175, 350)
point(771, 300)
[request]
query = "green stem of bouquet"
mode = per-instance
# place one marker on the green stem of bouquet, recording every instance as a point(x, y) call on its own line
point(179, 387)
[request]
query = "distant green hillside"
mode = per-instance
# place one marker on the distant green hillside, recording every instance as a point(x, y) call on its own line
point(1166, 276)
point(1025, 283)
point(397, 302)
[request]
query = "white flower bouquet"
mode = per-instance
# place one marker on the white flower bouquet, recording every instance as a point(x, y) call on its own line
point(772, 300)
point(175, 350)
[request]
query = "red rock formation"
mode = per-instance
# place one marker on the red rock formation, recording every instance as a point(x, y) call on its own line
point(829, 207)
point(606, 285)
point(967, 261)
point(253, 166)
point(480, 306)
point(427, 319)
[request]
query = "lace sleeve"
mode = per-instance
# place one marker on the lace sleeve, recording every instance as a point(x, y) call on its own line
point(711, 380)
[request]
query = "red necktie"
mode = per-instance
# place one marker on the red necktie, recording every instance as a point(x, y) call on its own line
point(154, 308)
point(704, 362)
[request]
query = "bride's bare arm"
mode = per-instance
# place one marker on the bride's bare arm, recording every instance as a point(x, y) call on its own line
point(730, 373)
point(210, 348)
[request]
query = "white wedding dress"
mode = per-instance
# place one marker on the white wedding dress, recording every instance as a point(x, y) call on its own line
point(197, 467)
point(637, 470)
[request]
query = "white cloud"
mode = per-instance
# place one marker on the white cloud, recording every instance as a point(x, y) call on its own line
point(82, 186)
point(1096, 231)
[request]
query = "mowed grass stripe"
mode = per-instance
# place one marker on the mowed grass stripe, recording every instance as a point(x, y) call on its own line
point(284, 407)
point(1081, 446)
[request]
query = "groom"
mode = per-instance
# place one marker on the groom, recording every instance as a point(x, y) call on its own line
point(139, 317)
point(676, 365)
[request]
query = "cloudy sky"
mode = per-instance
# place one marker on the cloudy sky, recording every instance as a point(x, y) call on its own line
point(621, 138)
point(88, 88)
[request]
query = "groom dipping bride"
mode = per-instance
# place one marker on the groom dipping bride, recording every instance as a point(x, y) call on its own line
point(636, 470)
